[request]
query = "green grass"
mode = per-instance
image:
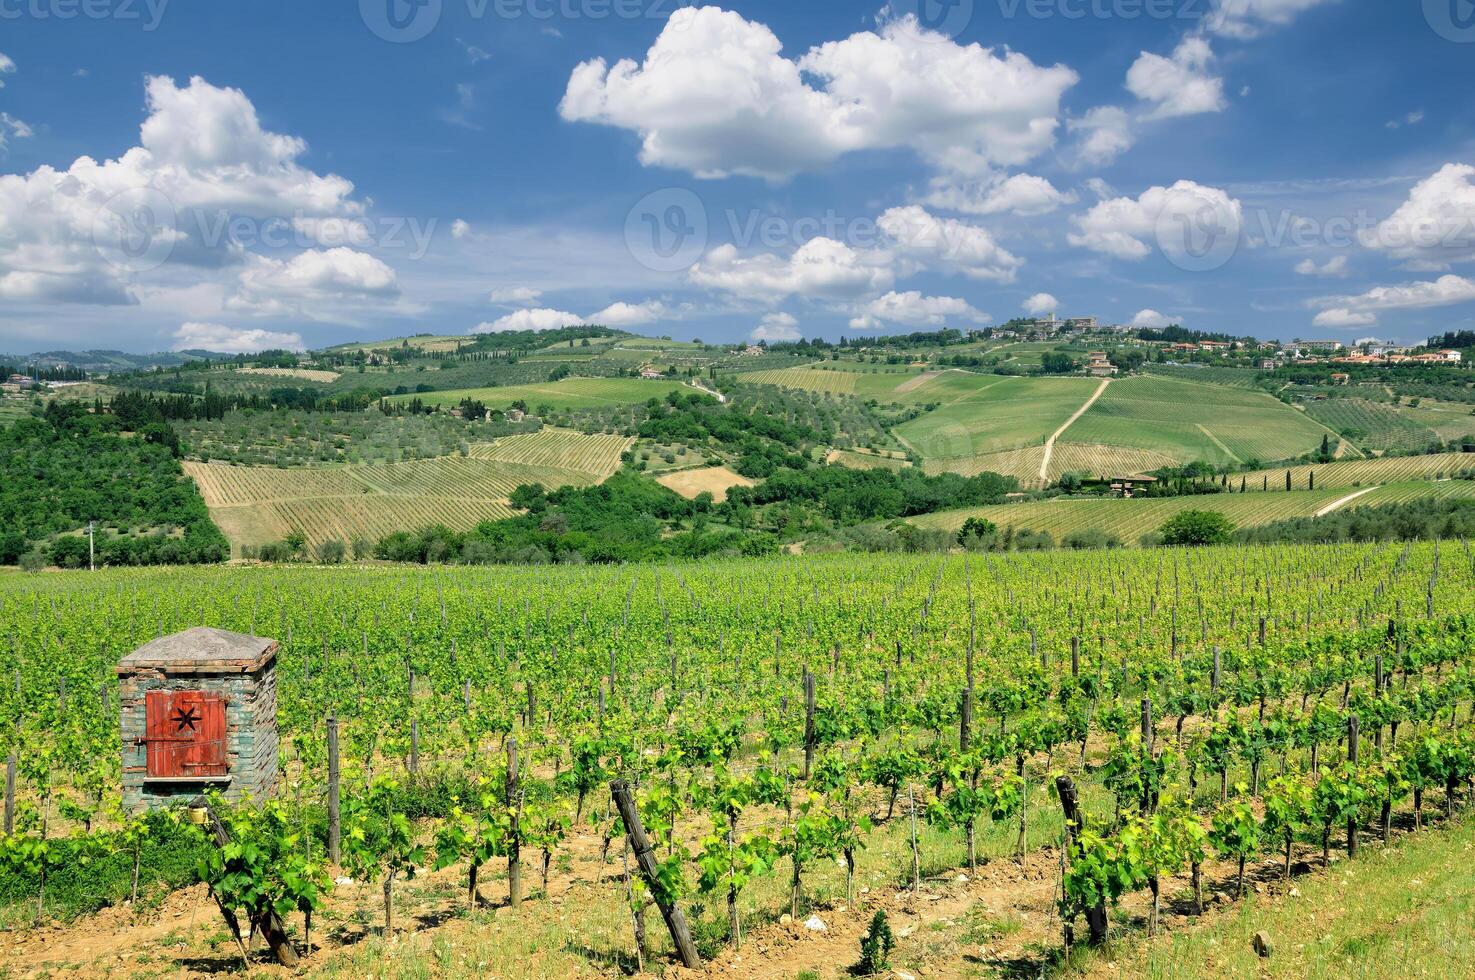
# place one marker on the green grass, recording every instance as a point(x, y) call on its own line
point(998, 415)
point(1191, 421)
point(571, 394)
point(1403, 912)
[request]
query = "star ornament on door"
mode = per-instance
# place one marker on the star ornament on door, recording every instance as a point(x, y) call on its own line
point(186, 720)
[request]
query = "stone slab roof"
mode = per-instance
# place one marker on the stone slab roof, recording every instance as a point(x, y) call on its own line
point(202, 650)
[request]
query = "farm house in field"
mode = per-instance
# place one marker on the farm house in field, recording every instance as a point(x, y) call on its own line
point(199, 711)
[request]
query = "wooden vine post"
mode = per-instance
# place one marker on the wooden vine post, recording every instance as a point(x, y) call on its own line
point(809, 733)
point(514, 845)
point(646, 861)
point(1352, 735)
point(335, 818)
point(11, 765)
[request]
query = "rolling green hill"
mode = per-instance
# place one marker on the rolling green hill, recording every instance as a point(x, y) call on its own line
point(1191, 421)
point(571, 394)
point(997, 414)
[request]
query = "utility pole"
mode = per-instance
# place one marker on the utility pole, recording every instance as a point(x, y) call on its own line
point(91, 547)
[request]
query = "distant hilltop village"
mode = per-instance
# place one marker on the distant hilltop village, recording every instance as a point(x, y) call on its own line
point(1368, 351)
point(1052, 326)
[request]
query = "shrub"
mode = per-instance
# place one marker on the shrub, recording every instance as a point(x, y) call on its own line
point(332, 552)
point(977, 527)
point(875, 947)
point(1196, 528)
point(1093, 539)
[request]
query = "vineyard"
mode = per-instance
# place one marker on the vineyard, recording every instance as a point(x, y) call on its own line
point(1228, 376)
point(296, 374)
point(1129, 520)
point(1024, 464)
point(1372, 425)
point(260, 505)
point(1364, 472)
point(1036, 748)
point(1009, 413)
point(561, 449)
point(806, 379)
point(572, 394)
point(865, 461)
point(888, 384)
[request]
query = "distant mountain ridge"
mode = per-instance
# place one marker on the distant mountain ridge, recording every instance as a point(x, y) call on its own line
point(110, 360)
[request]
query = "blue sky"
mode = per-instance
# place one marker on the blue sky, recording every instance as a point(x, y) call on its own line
point(180, 173)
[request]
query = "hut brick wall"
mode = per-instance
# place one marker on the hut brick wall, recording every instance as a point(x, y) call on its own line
point(251, 736)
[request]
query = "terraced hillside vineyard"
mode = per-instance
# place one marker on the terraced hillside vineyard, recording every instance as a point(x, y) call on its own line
point(1129, 520)
point(260, 505)
point(571, 394)
point(1364, 472)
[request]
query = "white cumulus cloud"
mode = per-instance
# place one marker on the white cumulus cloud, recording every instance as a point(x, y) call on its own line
point(1105, 133)
point(949, 245)
point(1180, 85)
point(1124, 227)
point(715, 96)
point(221, 339)
point(1343, 318)
point(1362, 310)
point(631, 314)
point(821, 268)
point(312, 283)
point(914, 309)
point(1021, 194)
point(1246, 19)
point(1333, 268)
point(1435, 227)
point(777, 328)
point(516, 295)
point(540, 319)
point(1151, 320)
point(1041, 303)
point(202, 150)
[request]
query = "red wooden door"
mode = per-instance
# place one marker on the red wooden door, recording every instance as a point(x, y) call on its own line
point(185, 735)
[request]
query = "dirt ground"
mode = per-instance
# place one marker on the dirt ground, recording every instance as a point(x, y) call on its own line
point(716, 480)
point(999, 921)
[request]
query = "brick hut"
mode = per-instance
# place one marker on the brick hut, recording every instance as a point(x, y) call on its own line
point(199, 710)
